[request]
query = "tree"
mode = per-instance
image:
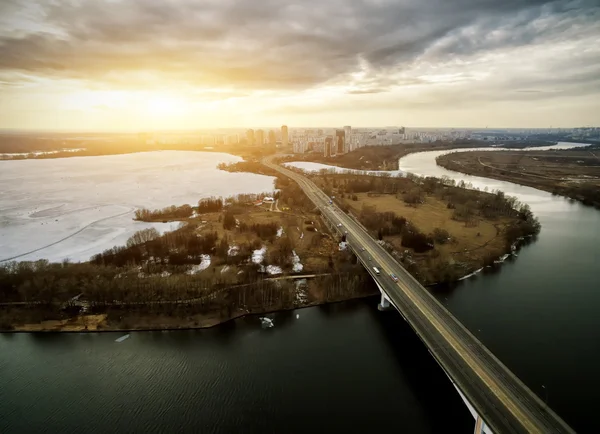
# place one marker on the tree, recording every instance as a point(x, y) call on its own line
point(142, 237)
point(228, 221)
point(440, 236)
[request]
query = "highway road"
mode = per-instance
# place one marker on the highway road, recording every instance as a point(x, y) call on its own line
point(498, 396)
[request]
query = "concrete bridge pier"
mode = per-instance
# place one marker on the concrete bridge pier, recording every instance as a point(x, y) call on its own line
point(384, 304)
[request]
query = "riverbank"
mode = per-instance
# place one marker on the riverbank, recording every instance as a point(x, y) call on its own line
point(223, 306)
point(101, 323)
point(571, 173)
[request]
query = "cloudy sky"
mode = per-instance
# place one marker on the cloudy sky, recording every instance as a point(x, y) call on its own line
point(146, 64)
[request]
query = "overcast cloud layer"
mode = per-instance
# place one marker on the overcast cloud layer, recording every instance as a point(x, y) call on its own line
point(419, 61)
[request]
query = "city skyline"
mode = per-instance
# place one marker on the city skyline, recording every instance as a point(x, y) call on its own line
point(190, 65)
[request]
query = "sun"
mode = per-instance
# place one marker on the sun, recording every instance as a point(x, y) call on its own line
point(165, 106)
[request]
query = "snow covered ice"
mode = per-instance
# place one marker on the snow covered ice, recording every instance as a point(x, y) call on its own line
point(76, 207)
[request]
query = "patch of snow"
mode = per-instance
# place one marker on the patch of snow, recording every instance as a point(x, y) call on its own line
point(224, 269)
point(470, 275)
point(280, 231)
point(501, 259)
point(165, 274)
point(297, 265)
point(122, 338)
point(301, 295)
point(233, 250)
point(273, 269)
point(203, 265)
point(266, 322)
point(258, 256)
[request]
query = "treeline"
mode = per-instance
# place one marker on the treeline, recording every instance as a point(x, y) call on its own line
point(154, 269)
point(180, 298)
point(207, 205)
point(180, 247)
point(210, 204)
point(248, 166)
point(168, 213)
point(586, 192)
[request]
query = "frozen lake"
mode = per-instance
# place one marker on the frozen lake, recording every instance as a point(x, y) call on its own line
point(76, 207)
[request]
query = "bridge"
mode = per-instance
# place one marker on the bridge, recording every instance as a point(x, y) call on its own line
point(497, 399)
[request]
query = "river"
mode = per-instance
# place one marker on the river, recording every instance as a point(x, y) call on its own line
point(345, 367)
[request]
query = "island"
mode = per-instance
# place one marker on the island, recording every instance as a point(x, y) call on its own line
point(574, 173)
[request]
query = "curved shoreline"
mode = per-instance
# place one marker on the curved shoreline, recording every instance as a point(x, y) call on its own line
point(511, 176)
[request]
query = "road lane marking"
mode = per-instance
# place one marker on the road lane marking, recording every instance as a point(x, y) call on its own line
point(458, 347)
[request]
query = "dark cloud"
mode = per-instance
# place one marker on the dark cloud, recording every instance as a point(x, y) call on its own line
point(272, 44)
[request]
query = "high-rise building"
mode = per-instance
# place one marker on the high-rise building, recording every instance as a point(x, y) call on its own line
point(348, 136)
point(327, 146)
point(259, 137)
point(284, 136)
point(250, 136)
point(340, 142)
point(272, 139)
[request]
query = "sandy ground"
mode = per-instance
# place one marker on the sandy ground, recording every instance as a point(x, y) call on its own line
point(75, 207)
point(75, 324)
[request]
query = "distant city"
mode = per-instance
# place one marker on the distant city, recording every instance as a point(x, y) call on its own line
point(337, 141)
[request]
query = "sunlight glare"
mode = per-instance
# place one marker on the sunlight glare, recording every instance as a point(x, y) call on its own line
point(165, 106)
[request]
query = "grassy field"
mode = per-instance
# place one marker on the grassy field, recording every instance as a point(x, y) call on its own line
point(470, 245)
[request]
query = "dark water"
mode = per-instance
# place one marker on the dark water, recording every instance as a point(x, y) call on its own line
point(540, 314)
point(340, 368)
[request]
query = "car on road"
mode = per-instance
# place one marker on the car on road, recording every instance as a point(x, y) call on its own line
point(362, 249)
point(394, 277)
point(339, 225)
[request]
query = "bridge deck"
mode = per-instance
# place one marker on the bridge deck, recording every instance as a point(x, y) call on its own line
point(500, 398)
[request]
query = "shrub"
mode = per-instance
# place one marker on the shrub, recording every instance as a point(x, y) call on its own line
point(440, 236)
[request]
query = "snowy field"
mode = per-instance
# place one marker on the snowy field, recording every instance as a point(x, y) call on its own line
point(310, 166)
point(76, 207)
